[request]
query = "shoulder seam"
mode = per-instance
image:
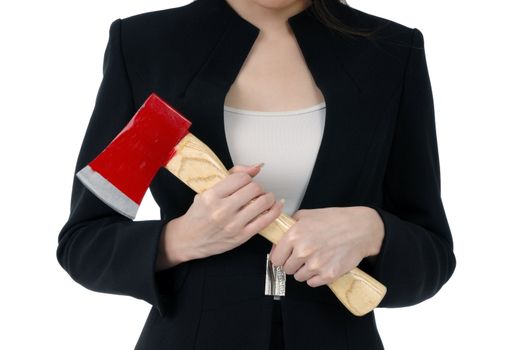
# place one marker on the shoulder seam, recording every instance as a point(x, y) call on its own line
point(123, 60)
point(409, 55)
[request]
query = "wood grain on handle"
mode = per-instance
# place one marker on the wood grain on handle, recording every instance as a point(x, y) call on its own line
point(198, 167)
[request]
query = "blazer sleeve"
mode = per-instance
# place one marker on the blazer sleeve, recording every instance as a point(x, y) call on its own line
point(416, 257)
point(99, 248)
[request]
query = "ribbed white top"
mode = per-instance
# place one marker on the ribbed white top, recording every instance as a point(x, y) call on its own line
point(288, 146)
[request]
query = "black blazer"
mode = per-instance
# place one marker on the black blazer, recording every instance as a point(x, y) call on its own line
point(379, 149)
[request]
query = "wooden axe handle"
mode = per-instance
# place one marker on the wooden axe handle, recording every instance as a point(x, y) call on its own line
point(197, 166)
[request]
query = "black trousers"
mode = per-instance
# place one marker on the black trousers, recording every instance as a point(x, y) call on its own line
point(277, 337)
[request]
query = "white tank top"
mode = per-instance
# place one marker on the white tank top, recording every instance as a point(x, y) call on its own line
point(287, 142)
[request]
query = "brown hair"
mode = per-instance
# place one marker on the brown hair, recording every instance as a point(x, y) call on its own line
point(322, 12)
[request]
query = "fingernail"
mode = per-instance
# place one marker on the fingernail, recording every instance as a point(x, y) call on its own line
point(258, 165)
point(282, 200)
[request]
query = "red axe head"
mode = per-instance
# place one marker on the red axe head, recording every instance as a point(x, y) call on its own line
point(122, 172)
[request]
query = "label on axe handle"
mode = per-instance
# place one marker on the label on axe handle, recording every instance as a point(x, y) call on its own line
point(274, 279)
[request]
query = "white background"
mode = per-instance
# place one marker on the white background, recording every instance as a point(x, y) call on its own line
point(50, 70)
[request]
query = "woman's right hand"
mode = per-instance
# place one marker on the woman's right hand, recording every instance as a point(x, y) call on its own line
point(219, 219)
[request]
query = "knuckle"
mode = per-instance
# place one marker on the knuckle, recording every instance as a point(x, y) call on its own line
point(330, 274)
point(202, 199)
point(298, 276)
point(245, 177)
point(287, 239)
point(246, 232)
point(217, 215)
point(292, 235)
point(260, 201)
point(302, 252)
point(311, 266)
point(256, 187)
point(230, 228)
point(269, 218)
point(312, 283)
point(206, 197)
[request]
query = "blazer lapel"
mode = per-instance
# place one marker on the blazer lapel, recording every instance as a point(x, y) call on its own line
point(204, 98)
point(348, 128)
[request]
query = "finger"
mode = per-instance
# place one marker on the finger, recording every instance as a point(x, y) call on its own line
point(231, 184)
point(281, 253)
point(251, 207)
point(272, 249)
point(303, 274)
point(251, 170)
point(255, 169)
point(292, 264)
point(263, 220)
point(246, 196)
point(316, 281)
point(247, 170)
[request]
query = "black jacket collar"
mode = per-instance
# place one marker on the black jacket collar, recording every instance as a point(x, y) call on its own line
point(340, 68)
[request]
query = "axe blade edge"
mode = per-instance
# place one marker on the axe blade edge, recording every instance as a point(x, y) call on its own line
point(107, 192)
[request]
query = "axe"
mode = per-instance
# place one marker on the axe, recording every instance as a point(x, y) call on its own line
point(157, 136)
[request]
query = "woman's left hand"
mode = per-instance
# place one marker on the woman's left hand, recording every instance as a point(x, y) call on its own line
point(327, 242)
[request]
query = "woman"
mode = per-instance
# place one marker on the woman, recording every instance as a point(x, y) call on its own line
point(358, 166)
